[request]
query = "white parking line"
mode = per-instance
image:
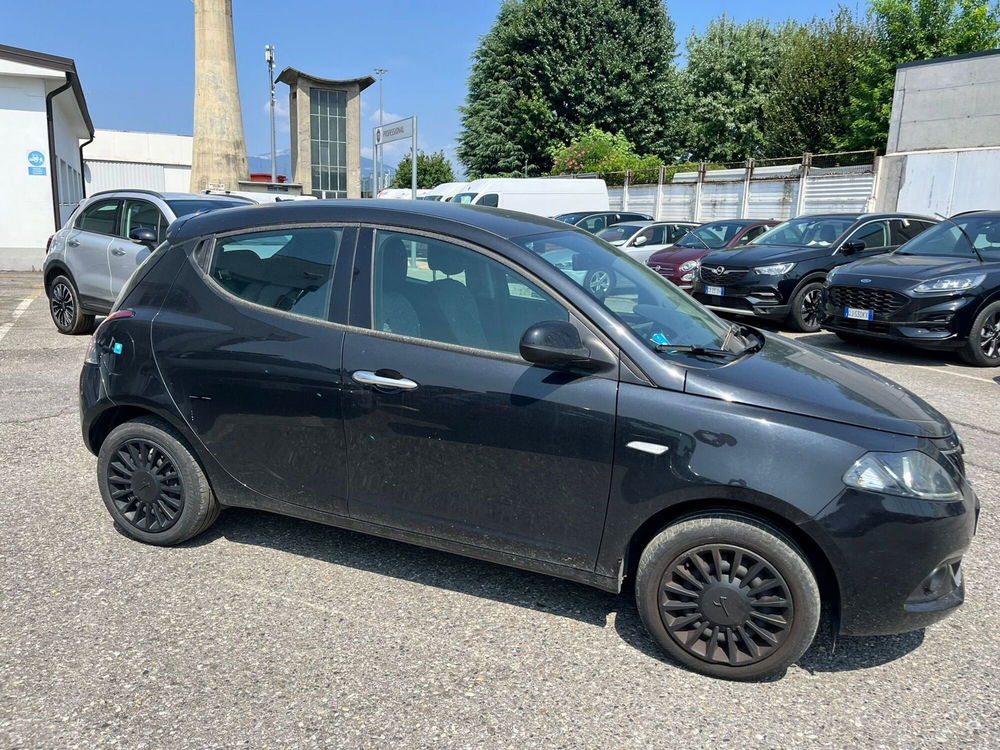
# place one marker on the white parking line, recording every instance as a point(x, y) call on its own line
point(18, 312)
point(956, 374)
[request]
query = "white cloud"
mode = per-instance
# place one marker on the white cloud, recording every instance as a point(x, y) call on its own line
point(389, 117)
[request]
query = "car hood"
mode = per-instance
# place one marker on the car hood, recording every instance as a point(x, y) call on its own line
point(908, 267)
point(789, 376)
point(759, 255)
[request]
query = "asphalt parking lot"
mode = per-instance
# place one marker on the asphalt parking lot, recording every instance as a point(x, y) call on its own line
point(269, 632)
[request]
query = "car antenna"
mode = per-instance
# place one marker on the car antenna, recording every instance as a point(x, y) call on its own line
point(964, 234)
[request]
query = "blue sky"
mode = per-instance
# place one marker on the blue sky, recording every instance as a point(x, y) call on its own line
point(135, 57)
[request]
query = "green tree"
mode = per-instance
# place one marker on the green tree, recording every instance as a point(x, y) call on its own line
point(606, 153)
point(806, 107)
point(730, 70)
point(907, 30)
point(548, 68)
point(432, 170)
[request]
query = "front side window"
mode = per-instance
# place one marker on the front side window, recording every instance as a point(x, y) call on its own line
point(490, 199)
point(968, 236)
point(594, 224)
point(618, 233)
point(714, 236)
point(653, 309)
point(874, 235)
point(807, 231)
point(675, 232)
point(752, 234)
point(100, 218)
point(437, 291)
point(464, 198)
point(288, 270)
point(144, 214)
point(904, 230)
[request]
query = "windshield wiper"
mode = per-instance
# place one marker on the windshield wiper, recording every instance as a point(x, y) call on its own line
point(965, 234)
point(701, 350)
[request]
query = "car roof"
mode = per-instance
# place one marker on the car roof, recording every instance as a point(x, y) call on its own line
point(497, 221)
point(985, 213)
point(865, 216)
point(166, 196)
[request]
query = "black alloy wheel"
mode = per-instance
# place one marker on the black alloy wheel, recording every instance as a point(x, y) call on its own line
point(807, 308)
point(64, 306)
point(145, 486)
point(989, 336)
point(725, 604)
point(982, 348)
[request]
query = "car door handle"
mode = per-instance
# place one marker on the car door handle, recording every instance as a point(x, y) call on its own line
point(73, 243)
point(366, 377)
point(117, 251)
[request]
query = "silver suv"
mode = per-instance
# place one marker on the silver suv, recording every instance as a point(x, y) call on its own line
point(88, 261)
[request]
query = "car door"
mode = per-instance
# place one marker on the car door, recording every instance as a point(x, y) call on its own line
point(87, 250)
point(249, 354)
point(125, 255)
point(449, 432)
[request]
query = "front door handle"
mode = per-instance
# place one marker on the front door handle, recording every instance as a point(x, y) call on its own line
point(366, 377)
point(73, 243)
point(117, 251)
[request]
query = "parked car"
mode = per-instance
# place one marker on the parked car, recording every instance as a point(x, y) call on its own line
point(285, 359)
point(446, 191)
point(679, 262)
point(542, 196)
point(595, 221)
point(780, 275)
point(105, 239)
point(940, 290)
point(639, 239)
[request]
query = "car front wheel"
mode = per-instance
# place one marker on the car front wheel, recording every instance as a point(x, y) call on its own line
point(152, 484)
point(807, 308)
point(982, 348)
point(64, 307)
point(728, 597)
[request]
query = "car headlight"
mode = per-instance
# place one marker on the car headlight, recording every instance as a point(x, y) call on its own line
point(950, 284)
point(778, 269)
point(688, 265)
point(909, 474)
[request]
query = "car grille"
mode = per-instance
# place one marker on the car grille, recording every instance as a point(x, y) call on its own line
point(711, 275)
point(662, 268)
point(862, 298)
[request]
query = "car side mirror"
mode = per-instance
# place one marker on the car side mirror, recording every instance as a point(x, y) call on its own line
point(850, 248)
point(143, 236)
point(554, 343)
point(640, 241)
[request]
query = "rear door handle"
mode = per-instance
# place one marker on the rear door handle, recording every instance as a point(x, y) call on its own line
point(117, 251)
point(366, 377)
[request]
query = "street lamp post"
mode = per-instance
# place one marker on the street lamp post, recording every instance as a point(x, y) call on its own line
point(269, 57)
point(377, 161)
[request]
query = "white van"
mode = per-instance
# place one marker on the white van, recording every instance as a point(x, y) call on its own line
point(537, 195)
point(402, 194)
point(446, 191)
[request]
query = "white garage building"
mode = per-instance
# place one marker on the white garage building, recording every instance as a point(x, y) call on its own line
point(43, 122)
point(127, 159)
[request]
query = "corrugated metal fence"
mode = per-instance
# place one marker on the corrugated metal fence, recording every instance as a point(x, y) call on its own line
point(816, 183)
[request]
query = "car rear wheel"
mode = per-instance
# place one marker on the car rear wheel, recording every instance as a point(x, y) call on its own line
point(152, 485)
point(65, 309)
point(982, 348)
point(807, 308)
point(728, 597)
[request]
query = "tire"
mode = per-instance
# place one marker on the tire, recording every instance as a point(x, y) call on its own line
point(982, 347)
point(599, 282)
point(152, 484)
point(702, 631)
point(807, 307)
point(65, 309)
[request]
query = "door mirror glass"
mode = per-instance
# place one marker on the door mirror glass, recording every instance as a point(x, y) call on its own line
point(853, 247)
point(144, 236)
point(554, 343)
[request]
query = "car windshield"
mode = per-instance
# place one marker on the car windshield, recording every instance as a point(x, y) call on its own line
point(618, 232)
point(188, 206)
point(655, 310)
point(954, 238)
point(807, 231)
point(713, 236)
point(464, 198)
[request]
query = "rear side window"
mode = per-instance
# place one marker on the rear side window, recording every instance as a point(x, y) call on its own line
point(288, 270)
point(100, 218)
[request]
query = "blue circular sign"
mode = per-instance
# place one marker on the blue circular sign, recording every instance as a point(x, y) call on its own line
point(36, 158)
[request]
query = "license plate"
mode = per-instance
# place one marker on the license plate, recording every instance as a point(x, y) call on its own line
point(855, 314)
point(715, 291)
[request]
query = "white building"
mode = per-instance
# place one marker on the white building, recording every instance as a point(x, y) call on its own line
point(126, 159)
point(43, 122)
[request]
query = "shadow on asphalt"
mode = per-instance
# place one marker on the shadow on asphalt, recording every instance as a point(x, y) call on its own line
point(510, 586)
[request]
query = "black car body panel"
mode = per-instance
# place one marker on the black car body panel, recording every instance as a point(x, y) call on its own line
point(510, 462)
point(884, 285)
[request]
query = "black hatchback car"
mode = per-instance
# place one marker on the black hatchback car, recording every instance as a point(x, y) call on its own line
point(423, 371)
point(779, 275)
point(941, 290)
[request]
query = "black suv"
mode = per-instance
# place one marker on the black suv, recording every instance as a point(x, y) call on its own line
point(938, 291)
point(595, 221)
point(780, 275)
point(424, 371)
